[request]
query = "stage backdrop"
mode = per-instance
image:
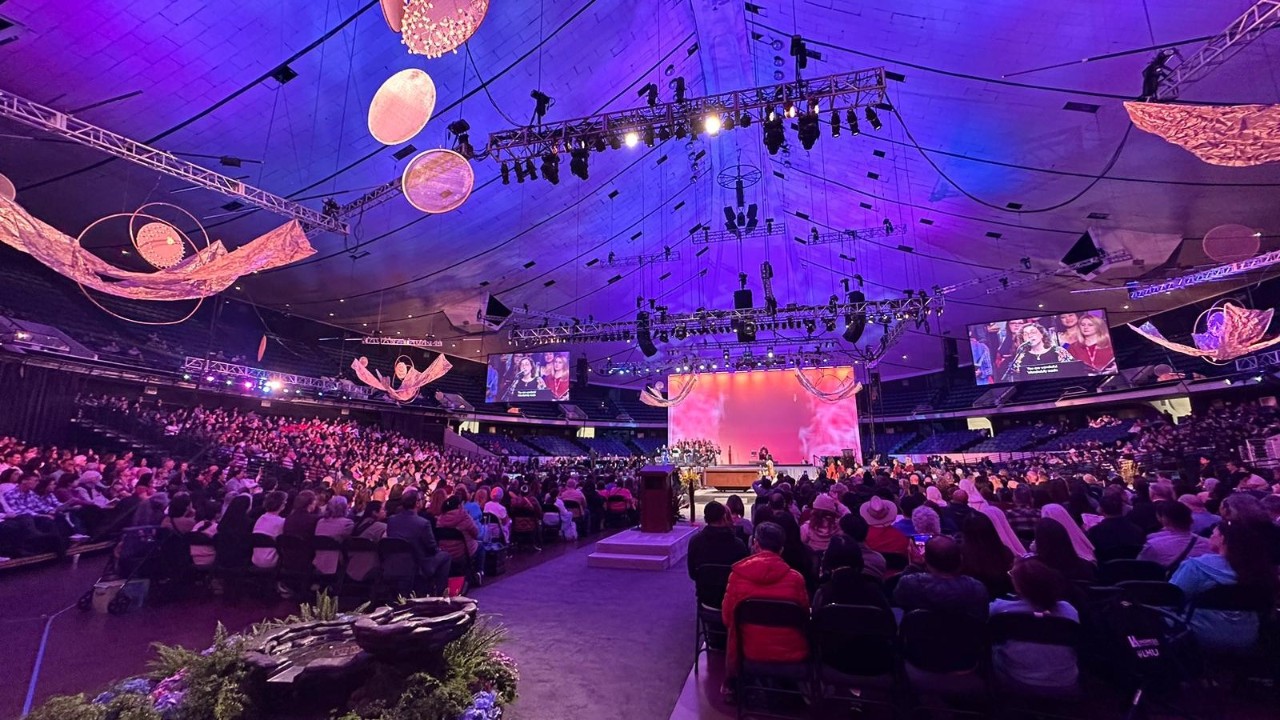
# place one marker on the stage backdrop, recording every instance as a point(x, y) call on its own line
point(745, 410)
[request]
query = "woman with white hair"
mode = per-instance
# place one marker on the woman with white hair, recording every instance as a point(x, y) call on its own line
point(334, 522)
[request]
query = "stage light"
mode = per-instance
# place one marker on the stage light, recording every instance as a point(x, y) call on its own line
point(745, 120)
point(650, 93)
point(873, 118)
point(578, 163)
point(773, 134)
point(771, 352)
point(678, 86)
point(551, 167)
point(600, 146)
point(729, 122)
point(808, 132)
point(789, 109)
point(520, 173)
point(615, 142)
point(712, 124)
point(851, 118)
point(648, 136)
point(664, 134)
point(228, 382)
point(208, 378)
point(506, 174)
point(541, 102)
point(248, 385)
point(530, 170)
point(835, 124)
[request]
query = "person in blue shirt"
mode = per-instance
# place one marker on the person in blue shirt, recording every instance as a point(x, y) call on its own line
point(1040, 591)
point(1239, 558)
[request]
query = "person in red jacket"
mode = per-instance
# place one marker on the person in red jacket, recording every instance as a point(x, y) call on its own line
point(764, 576)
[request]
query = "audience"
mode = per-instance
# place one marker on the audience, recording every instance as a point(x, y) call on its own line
point(1238, 559)
point(1115, 537)
point(717, 543)
point(941, 586)
point(1040, 591)
point(764, 575)
point(433, 563)
point(1175, 542)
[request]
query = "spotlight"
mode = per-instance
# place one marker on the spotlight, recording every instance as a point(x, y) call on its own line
point(729, 122)
point(712, 124)
point(745, 120)
point(789, 109)
point(1026, 263)
point(209, 378)
point(888, 226)
point(520, 173)
point(852, 118)
point(648, 136)
point(799, 52)
point(542, 101)
point(600, 146)
point(578, 162)
point(678, 86)
point(631, 138)
point(808, 132)
point(615, 142)
point(529, 169)
point(873, 118)
point(460, 128)
point(506, 174)
point(773, 134)
point(835, 124)
point(650, 93)
point(551, 167)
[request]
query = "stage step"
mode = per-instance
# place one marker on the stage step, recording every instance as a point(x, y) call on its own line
point(632, 548)
point(625, 561)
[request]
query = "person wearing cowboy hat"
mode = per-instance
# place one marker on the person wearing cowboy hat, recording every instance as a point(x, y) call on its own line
point(882, 537)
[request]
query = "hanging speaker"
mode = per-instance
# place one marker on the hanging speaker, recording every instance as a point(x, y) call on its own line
point(1084, 251)
point(643, 338)
point(855, 323)
point(746, 329)
point(583, 369)
point(950, 355)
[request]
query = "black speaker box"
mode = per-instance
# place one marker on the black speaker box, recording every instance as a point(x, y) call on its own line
point(746, 330)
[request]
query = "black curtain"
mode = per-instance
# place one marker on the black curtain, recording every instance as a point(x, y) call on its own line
point(37, 404)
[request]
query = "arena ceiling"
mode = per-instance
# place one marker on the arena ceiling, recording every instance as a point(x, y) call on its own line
point(972, 133)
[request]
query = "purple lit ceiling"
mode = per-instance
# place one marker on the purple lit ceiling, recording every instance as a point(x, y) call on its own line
point(192, 77)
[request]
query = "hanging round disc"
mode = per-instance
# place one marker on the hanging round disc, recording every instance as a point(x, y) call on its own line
point(438, 181)
point(160, 244)
point(402, 106)
point(7, 190)
point(393, 13)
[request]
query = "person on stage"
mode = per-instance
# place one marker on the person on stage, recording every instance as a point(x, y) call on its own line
point(528, 385)
point(1068, 329)
point(556, 377)
point(1037, 351)
point(1094, 348)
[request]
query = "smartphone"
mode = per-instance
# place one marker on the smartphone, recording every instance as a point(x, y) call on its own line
point(919, 541)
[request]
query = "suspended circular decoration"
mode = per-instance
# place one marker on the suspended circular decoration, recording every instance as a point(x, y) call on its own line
point(438, 181)
point(403, 365)
point(7, 190)
point(1231, 243)
point(435, 27)
point(160, 244)
point(402, 106)
point(393, 13)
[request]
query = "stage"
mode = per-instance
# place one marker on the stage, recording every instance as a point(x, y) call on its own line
point(740, 477)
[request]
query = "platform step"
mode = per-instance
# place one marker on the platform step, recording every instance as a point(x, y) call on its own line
point(632, 548)
point(626, 561)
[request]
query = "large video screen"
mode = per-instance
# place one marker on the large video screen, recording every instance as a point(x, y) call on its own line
point(528, 377)
point(1065, 345)
point(741, 413)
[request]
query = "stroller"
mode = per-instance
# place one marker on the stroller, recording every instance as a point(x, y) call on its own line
point(137, 557)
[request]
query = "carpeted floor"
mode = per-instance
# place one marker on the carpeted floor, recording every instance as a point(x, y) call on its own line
point(595, 643)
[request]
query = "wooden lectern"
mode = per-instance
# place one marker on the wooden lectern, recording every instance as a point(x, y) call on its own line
point(656, 483)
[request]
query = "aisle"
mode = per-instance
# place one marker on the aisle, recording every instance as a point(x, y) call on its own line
point(593, 642)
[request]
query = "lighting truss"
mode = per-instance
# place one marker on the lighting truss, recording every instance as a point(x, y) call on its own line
point(835, 236)
point(218, 367)
point(1259, 361)
point(635, 260)
point(72, 128)
point(707, 236)
point(711, 322)
point(833, 92)
point(410, 342)
point(1206, 276)
point(1262, 16)
point(1022, 276)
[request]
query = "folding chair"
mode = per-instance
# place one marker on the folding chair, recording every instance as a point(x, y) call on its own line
point(399, 567)
point(526, 527)
point(550, 522)
point(297, 563)
point(752, 674)
point(1046, 630)
point(617, 514)
point(709, 585)
point(1114, 572)
point(361, 566)
point(945, 655)
point(1154, 593)
point(327, 562)
point(854, 646)
point(452, 541)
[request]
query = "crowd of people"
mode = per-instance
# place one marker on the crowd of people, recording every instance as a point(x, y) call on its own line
point(1035, 538)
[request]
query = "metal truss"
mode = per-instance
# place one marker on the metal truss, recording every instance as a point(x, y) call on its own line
point(201, 365)
point(375, 197)
point(71, 128)
point(1261, 17)
point(833, 92)
point(1021, 276)
point(1265, 359)
point(708, 322)
point(835, 236)
point(411, 342)
point(633, 260)
point(1210, 275)
point(707, 236)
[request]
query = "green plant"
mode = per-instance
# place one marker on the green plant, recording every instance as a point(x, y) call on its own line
point(214, 679)
point(80, 707)
point(324, 609)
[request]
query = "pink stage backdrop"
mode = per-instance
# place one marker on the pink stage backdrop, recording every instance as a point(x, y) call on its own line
point(742, 411)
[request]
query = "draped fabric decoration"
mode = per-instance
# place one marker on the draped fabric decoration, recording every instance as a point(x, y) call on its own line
point(1231, 135)
point(411, 379)
point(1222, 333)
point(847, 387)
point(651, 395)
point(205, 272)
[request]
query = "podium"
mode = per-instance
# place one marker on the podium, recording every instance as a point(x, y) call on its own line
point(656, 498)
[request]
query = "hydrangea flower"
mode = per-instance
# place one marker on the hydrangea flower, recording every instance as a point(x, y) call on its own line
point(484, 706)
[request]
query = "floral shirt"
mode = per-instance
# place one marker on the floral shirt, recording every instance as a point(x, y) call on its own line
point(29, 502)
